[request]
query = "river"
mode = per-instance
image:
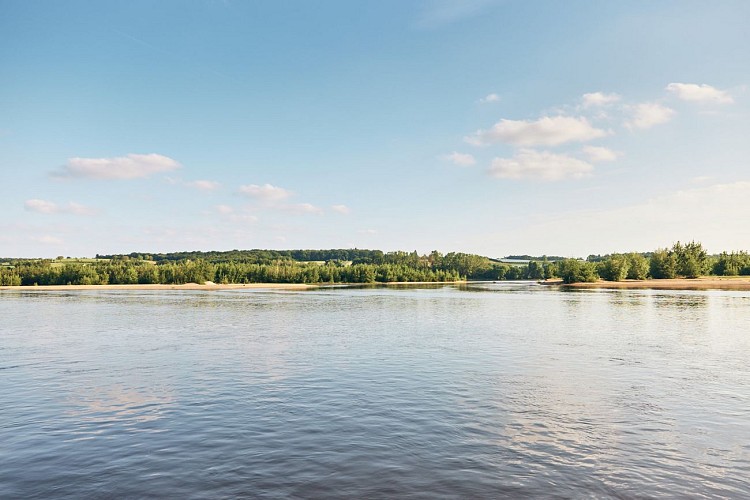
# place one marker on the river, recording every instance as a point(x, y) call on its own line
point(478, 391)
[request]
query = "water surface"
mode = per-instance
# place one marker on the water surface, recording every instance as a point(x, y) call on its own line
point(485, 391)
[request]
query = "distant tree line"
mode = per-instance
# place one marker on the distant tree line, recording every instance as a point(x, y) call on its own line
point(688, 260)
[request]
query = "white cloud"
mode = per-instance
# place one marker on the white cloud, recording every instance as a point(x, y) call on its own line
point(224, 209)
point(267, 192)
point(595, 99)
point(682, 215)
point(204, 185)
point(41, 206)
point(648, 114)
point(539, 165)
point(49, 207)
point(700, 93)
point(78, 209)
point(489, 98)
point(131, 166)
point(546, 131)
point(368, 231)
point(460, 159)
point(598, 154)
point(303, 208)
point(341, 209)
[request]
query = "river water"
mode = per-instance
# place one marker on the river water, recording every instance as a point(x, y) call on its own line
point(479, 391)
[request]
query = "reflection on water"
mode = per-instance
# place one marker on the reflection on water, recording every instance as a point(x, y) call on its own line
point(481, 390)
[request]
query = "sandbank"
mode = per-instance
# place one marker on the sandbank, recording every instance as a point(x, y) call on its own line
point(703, 283)
point(186, 286)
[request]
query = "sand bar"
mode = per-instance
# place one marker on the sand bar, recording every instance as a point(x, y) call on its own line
point(704, 283)
point(186, 286)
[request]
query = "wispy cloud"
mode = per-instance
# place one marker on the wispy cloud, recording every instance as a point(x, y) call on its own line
point(341, 209)
point(539, 165)
point(132, 166)
point(596, 99)
point(204, 185)
point(599, 154)
point(49, 207)
point(275, 198)
point(699, 93)
point(649, 114)
point(266, 193)
point(490, 98)
point(460, 159)
point(303, 208)
point(546, 131)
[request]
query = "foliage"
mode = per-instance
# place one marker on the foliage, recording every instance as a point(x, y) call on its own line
point(362, 266)
point(689, 260)
point(577, 271)
point(638, 266)
point(692, 259)
point(614, 267)
point(732, 264)
point(663, 264)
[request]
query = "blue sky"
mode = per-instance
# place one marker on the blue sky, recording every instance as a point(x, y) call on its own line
point(494, 127)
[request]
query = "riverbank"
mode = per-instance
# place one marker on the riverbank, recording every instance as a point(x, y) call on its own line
point(214, 286)
point(186, 286)
point(703, 283)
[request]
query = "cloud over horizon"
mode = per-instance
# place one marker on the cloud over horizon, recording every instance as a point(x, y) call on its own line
point(546, 131)
point(131, 166)
point(204, 185)
point(539, 165)
point(649, 114)
point(52, 208)
point(699, 93)
point(341, 209)
point(595, 99)
point(598, 154)
point(303, 208)
point(460, 159)
point(267, 193)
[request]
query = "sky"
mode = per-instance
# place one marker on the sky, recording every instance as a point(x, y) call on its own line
point(483, 126)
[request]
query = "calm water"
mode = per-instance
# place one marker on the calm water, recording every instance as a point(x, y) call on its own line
point(481, 392)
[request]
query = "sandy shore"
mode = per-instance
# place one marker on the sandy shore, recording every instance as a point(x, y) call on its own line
point(214, 286)
point(704, 283)
point(187, 286)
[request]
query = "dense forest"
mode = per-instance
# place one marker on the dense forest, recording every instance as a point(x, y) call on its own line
point(688, 260)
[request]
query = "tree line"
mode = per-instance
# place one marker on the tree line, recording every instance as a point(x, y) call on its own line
point(688, 260)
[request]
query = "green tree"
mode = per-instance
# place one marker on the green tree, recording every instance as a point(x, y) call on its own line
point(663, 264)
point(577, 271)
point(535, 270)
point(614, 267)
point(638, 266)
point(691, 259)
